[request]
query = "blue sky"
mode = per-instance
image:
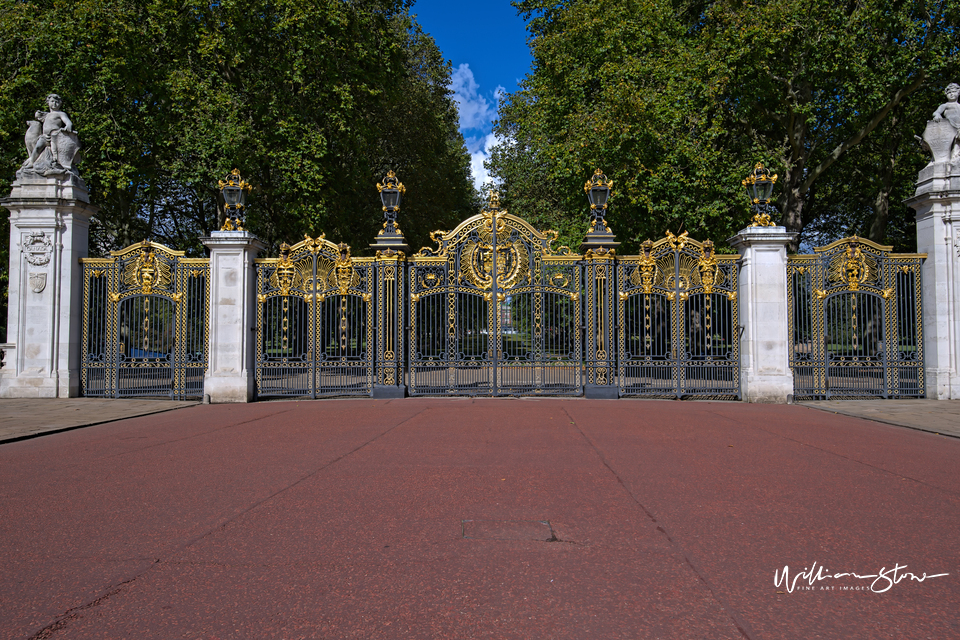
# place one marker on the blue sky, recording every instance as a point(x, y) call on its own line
point(486, 42)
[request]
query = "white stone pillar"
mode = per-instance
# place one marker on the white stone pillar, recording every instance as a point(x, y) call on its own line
point(233, 320)
point(765, 374)
point(49, 230)
point(937, 203)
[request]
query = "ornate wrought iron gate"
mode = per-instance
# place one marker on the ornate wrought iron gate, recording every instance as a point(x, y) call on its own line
point(855, 322)
point(678, 316)
point(145, 324)
point(494, 310)
point(315, 321)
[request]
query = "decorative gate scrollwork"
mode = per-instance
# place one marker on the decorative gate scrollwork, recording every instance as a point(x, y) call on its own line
point(494, 310)
point(678, 319)
point(855, 322)
point(315, 316)
point(145, 330)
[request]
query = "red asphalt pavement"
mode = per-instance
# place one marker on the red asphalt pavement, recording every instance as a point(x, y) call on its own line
point(418, 518)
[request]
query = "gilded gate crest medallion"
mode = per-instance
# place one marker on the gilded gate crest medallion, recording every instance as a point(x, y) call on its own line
point(853, 267)
point(477, 268)
point(147, 272)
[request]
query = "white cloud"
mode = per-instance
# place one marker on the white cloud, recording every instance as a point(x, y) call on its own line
point(477, 113)
point(480, 149)
point(476, 110)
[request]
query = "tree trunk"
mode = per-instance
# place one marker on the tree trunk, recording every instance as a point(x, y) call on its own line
point(881, 213)
point(791, 201)
point(881, 204)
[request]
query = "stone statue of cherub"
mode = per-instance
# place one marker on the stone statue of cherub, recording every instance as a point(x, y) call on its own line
point(51, 141)
point(942, 135)
point(950, 109)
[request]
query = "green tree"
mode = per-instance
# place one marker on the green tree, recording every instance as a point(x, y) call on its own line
point(312, 101)
point(863, 193)
point(809, 81)
point(676, 100)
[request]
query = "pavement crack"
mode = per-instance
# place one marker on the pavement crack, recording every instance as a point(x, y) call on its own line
point(72, 614)
point(735, 616)
point(77, 612)
point(223, 525)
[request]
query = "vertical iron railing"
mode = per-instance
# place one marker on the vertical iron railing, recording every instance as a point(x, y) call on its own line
point(600, 312)
point(678, 321)
point(855, 322)
point(145, 324)
point(315, 322)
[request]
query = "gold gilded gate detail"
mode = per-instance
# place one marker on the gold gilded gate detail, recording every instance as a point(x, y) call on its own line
point(145, 330)
point(855, 322)
point(495, 309)
point(678, 321)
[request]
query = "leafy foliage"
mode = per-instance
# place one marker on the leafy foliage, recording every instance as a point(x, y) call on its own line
point(677, 100)
point(312, 101)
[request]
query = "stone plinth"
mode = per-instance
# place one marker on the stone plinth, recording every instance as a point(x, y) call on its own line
point(765, 374)
point(49, 229)
point(937, 203)
point(233, 320)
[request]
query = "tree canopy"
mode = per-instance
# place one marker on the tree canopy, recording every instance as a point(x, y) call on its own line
point(677, 99)
point(312, 101)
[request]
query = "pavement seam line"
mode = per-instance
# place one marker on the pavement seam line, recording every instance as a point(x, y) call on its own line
point(197, 435)
point(843, 412)
point(735, 617)
point(225, 523)
point(71, 614)
point(953, 494)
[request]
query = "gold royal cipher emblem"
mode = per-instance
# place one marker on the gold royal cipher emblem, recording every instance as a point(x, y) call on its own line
point(477, 266)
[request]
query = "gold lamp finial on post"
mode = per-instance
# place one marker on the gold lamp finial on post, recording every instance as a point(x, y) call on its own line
point(598, 188)
point(390, 238)
point(759, 186)
point(234, 190)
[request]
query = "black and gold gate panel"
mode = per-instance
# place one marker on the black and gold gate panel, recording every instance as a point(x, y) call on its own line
point(494, 310)
point(600, 309)
point(390, 352)
point(145, 329)
point(678, 321)
point(315, 321)
point(855, 322)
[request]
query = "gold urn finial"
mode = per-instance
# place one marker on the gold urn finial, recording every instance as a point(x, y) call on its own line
point(493, 204)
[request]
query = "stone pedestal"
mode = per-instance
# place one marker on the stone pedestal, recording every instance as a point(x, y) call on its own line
point(600, 237)
point(765, 374)
point(937, 203)
point(233, 320)
point(49, 229)
point(390, 239)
